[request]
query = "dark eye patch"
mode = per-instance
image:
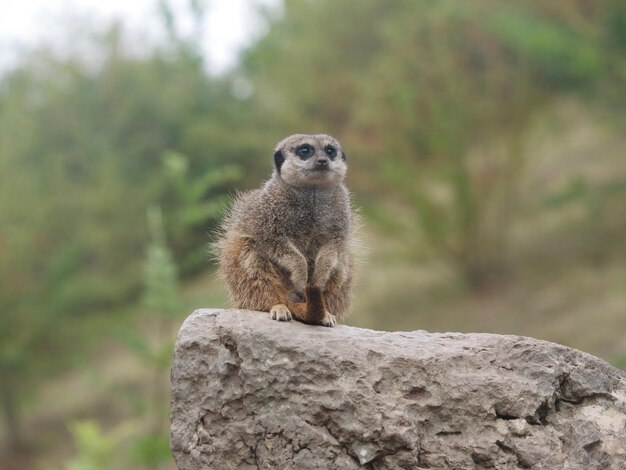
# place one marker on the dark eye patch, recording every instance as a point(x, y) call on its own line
point(279, 159)
point(305, 151)
point(330, 151)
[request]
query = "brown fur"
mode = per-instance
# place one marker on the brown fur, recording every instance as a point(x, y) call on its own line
point(292, 239)
point(315, 305)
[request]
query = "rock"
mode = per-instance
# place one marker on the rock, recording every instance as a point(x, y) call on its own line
point(249, 392)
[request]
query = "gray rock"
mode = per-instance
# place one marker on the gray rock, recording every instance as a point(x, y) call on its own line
point(249, 392)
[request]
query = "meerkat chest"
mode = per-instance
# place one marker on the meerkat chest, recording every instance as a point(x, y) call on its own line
point(318, 224)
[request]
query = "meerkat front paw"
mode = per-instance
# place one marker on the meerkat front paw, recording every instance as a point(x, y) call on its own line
point(329, 319)
point(280, 312)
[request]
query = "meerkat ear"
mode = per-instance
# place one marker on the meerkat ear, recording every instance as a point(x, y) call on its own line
point(279, 158)
point(344, 156)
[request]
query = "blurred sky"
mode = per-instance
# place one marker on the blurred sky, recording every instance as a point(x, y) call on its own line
point(230, 24)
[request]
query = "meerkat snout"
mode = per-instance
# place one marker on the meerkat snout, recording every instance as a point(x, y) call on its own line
point(321, 163)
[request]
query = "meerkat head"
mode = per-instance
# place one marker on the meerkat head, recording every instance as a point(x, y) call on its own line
point(310, 161)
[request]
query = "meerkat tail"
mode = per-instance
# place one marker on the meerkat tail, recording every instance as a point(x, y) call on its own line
point(315, 305)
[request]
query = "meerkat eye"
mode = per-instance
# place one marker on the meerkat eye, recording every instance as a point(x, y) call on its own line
point(330, 151)
point(304, 151)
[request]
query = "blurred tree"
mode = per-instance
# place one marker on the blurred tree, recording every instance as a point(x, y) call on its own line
point(81, 146)
point(145, 435)
point(162, 298)
point(194, 206)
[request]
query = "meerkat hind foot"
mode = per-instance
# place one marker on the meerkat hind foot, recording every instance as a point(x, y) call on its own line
point(280, 312)
point(329, 319)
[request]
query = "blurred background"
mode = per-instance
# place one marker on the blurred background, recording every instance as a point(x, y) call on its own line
point(487, 152)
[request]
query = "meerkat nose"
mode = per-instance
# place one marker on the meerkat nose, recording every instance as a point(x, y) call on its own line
point(323, 161)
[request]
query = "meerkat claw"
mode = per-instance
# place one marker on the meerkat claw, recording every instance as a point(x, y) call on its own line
point(329, 319)
point(280, 312)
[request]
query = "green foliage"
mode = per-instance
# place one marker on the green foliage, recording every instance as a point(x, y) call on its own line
point(152, 449)
point(97, 450)
point(561, 57)
point(195, 206)
point(125, 446)
point(163, 300)
point(161, 280)
point(145, 435)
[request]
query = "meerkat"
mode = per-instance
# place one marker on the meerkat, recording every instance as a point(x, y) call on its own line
point(287, 247)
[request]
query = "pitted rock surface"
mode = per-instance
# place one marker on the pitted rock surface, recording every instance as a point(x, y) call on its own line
point(252, 393)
